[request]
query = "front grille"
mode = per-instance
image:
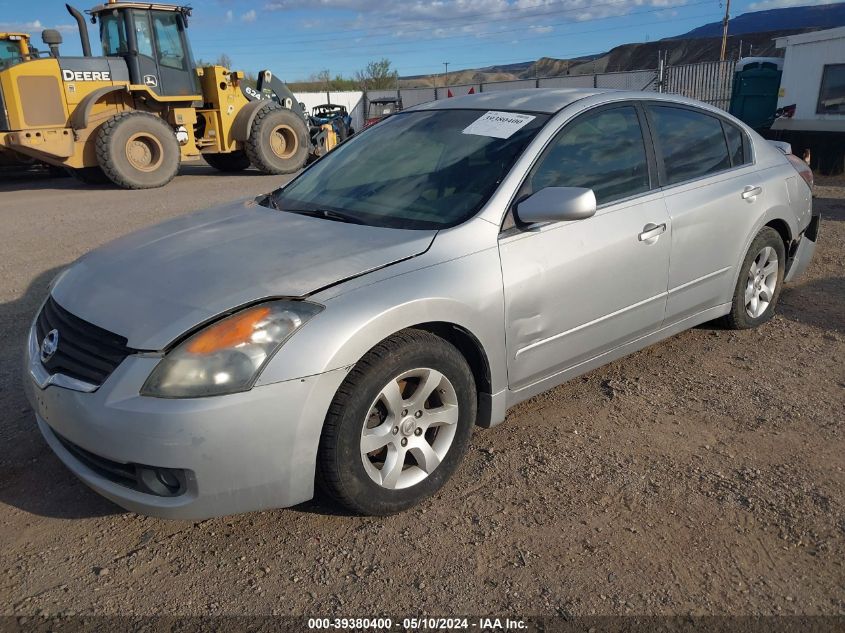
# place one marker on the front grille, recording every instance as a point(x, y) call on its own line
point(162, 482)
point(85, 351)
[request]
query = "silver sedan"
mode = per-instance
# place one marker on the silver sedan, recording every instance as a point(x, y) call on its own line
point(350, 328)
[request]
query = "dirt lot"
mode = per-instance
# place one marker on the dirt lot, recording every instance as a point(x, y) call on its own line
point(701, 476)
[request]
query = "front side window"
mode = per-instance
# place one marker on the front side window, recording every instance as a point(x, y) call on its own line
point(414, 170)
point(169, 40)
point(692, 144)
point(603, 151)
point(832, 91)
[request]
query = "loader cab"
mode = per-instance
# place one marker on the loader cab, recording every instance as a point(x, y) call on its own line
point(152, 39)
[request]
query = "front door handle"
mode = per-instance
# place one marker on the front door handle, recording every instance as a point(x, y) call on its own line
point(751, 192)
point(652, 231)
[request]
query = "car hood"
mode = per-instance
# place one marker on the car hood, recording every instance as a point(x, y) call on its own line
point(154, 285)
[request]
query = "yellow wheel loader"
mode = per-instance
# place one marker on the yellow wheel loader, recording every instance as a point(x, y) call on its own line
point(14, 48)
point(133, 115)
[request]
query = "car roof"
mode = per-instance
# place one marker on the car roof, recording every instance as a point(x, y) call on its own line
point(547, 100)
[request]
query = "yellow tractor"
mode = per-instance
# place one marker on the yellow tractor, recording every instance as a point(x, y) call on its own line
point(133, 115)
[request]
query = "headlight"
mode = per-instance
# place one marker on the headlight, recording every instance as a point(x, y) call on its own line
point(227, 356)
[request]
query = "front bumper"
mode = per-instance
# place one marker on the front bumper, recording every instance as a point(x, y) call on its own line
point(238, 453)
point(800, 260)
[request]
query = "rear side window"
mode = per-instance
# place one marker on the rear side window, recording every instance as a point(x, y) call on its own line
point(692, 144)
point(603, 151)
point(737, 145)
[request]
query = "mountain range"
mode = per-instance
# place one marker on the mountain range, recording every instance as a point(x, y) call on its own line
point(749, 34)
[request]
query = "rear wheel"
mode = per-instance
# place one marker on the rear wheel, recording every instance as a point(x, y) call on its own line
point(137, 150)
point(278, 141)
point(399, 424)
point(760, 282)
point(231, 162)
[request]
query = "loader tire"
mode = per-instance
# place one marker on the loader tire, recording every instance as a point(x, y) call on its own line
point(278, 141)
point(89, 175)
point(233, 161)
point(137, 150)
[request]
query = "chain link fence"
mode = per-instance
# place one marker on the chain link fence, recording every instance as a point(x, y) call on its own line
point(710, 82)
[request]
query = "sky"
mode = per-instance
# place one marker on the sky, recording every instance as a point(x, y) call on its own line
point(299, 38)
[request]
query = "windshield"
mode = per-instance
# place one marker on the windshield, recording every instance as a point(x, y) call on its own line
point(9, 50)
point(414, 170)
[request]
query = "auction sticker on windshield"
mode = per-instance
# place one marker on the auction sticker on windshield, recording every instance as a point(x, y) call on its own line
point(498, 124)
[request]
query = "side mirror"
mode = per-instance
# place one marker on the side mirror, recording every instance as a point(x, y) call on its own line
point(557, 204)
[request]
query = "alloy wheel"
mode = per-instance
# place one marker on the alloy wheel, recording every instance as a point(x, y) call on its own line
point(761, 283)
point(409, 428)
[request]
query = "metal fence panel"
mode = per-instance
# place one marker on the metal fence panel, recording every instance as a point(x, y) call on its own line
point(710, 82)
point(416, 96)
point(461, 90)
point(571, 81)
point(515, 84)
point(633, 80)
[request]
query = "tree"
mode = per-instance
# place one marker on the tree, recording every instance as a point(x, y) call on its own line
point(377, 76)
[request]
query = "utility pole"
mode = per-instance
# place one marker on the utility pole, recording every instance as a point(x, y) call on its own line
point(446, 77)
point(725, 29)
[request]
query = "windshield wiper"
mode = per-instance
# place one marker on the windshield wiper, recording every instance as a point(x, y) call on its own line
point(327, 214)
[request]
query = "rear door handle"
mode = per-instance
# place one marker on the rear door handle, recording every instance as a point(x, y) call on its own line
point(751, 192)
point(651, 231)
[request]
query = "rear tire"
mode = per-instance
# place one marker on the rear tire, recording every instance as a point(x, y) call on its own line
point(231, 162)
point(398, 426)
point(137, 150)
point(760, 282)
point(278, 141)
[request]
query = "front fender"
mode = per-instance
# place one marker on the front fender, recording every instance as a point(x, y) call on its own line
point(466, 292)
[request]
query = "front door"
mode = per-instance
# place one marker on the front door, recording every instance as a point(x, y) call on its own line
point(574, 290)
point(164, 58)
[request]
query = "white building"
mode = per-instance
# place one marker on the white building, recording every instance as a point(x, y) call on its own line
point(813, 82)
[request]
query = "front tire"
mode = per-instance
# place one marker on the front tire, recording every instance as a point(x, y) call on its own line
point(399, 424)
point(278, 141)
point(137, 150)
point(760, 282)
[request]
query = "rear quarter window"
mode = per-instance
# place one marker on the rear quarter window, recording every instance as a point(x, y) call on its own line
point(738, 144)
point(691, 144)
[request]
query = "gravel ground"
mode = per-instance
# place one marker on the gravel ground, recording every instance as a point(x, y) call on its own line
point(703, 475)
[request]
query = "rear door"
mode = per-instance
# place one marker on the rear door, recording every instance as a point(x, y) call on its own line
point(713, 194)
point(574, 290)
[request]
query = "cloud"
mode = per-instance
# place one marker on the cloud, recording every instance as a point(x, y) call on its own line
point(35, 26)
point(440, 18)
point(249, 16)
point(230, 15)
point(21, 26)
point(779, 4)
